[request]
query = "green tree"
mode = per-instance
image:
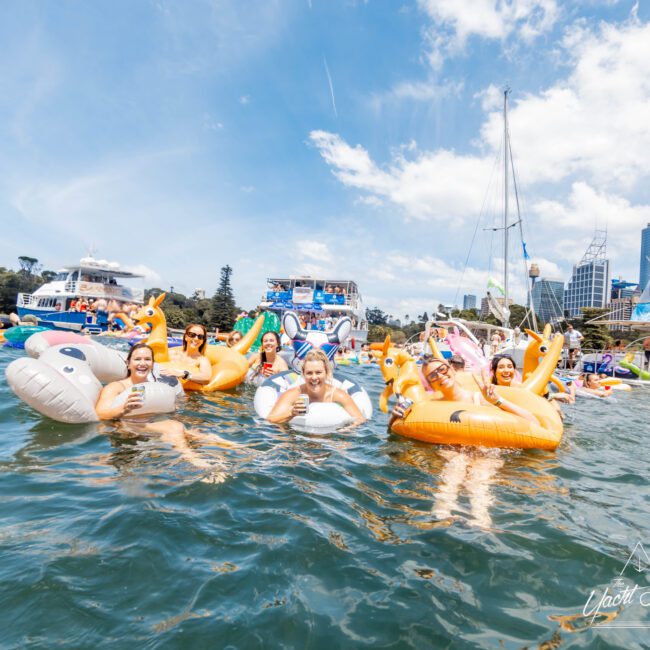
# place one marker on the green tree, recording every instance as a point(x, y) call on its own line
point(376, 316)
point(28, 265)
point(223, 309)
point(597, 336)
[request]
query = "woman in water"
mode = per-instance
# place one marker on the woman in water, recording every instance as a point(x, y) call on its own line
point(233, 338)
point(198, 368)
point(268, 362)
point(591, 385)
point(504, 371)
point(317, 373)
point(442, 377)
point(139, 364)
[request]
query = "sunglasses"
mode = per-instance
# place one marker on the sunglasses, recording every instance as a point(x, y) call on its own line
point(442, 370)
point(194, 335)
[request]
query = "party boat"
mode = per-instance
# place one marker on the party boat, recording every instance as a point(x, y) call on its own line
point(53, 304)
point(317, 299)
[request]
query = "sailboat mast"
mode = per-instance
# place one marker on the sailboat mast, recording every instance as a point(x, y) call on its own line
point(506, 149)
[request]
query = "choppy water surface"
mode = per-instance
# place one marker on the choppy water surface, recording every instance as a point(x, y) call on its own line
point(362, 539)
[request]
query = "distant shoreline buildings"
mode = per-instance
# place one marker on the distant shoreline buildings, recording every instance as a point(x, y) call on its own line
point(590, 285)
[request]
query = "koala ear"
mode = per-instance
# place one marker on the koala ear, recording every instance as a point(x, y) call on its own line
point(341, 331)
point(292, 327)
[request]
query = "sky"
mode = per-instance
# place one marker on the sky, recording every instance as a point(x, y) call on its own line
point(354, 139)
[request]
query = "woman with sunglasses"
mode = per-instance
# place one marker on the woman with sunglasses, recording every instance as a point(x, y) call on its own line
point(198, 368)
point(441, 377)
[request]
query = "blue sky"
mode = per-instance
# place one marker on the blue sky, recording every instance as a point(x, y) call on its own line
point(353, 138)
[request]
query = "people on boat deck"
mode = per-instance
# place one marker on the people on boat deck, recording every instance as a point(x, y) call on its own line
point(572, 340)
point(317, 386)
point(191, 355)
point(233, 338)
point(268, 362)
point(441, 377)
point(495, 342)
point(504, 371)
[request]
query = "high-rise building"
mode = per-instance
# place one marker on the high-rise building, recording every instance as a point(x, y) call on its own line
point(469, 301)
point(548, 300)
point(644, 275)
point(589, 285)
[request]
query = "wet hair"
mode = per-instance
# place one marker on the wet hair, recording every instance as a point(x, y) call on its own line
point(589, 377)
point(457, 362)
point(318, 355)
point(132, 351)
point(495, 362)
point(205, 336)
point(278, 346)
point(230, 341)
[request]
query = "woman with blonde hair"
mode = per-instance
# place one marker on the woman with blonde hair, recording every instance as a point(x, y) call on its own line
point(317, 387)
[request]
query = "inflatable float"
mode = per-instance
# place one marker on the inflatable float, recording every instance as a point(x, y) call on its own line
point(229, 365)
point(321, 415)
point(243, 325)
point(304, 340)
point(438, 421)
point(63, 381)
point(628, 365)
point(15, 337)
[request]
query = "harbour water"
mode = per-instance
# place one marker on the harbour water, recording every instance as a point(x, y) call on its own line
point(357, 539)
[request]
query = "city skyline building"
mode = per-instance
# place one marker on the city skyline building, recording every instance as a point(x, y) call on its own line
point(548, 300)
point(644, 267)
point(469, 301)
point(590, 284)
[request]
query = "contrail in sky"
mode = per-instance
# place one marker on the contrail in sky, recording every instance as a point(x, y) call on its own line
point(329, 79)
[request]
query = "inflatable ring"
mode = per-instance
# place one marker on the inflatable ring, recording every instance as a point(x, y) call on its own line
point(64, 382)
point(321, 415)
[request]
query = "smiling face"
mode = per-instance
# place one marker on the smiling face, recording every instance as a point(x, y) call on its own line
point(269, 343)
point(140, 364)
point(315, 375)
point(504, 372)
point(194, 338)
point(439, 374)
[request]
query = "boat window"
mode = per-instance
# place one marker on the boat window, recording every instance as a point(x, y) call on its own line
point(61, 277)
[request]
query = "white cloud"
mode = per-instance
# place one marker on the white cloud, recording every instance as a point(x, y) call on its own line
point(315, 250)
point(436, 185)
point(594, 123)
point(455, 22)
point(583, 211)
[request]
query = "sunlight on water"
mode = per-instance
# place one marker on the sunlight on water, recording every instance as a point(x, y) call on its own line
point(286, 539)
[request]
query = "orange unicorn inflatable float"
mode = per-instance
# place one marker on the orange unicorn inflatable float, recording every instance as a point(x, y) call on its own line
point(229, 365)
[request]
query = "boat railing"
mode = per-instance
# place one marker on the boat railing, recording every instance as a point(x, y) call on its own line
point(26, 300)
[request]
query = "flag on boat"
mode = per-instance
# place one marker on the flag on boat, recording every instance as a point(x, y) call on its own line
point(495, 284)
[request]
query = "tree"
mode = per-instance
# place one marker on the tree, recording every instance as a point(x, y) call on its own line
point(597, 336)
point(223, 309)
point(29, 265)
point(48, 276)
point(376, 316)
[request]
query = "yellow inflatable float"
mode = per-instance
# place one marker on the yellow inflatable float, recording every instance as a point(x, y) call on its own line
point(439, 421)
point(229, 365)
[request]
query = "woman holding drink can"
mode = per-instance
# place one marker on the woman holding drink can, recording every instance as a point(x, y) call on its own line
point(317, 387)
point(268, 362)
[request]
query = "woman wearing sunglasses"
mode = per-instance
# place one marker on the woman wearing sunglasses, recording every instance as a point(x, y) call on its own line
point(197, 367)
point(442, 378)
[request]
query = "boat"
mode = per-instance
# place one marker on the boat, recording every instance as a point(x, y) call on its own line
point(51, 305)
point(318, 298)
